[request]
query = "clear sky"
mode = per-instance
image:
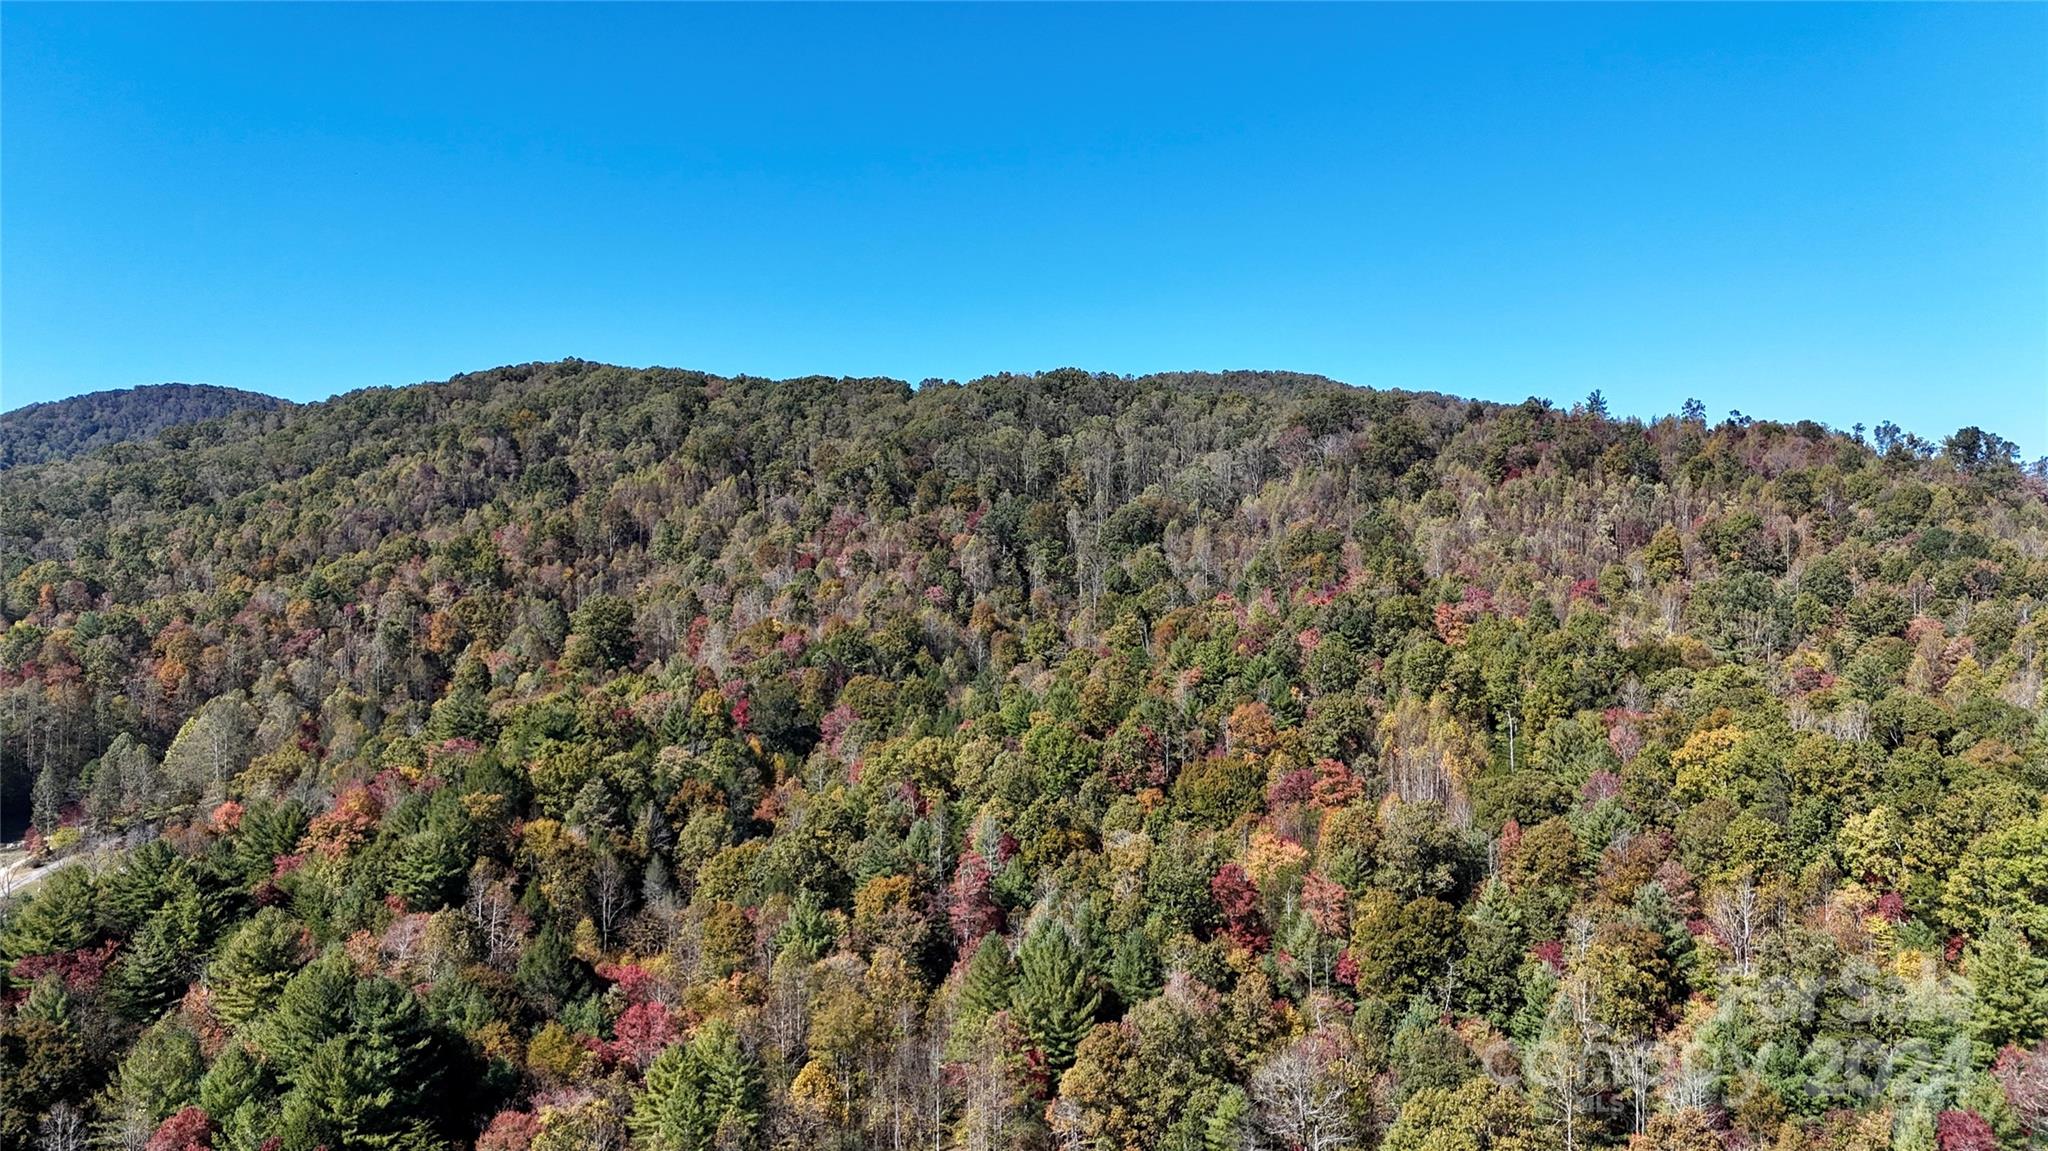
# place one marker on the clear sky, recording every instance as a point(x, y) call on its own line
point(1817, 211)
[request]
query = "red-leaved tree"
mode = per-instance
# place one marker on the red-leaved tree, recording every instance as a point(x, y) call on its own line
point(1964, 1131)
point(970, 907)
point(187, 1130)
point(642, 1031)
point(1238, 897)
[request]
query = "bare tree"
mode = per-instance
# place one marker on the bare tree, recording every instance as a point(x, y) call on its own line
point(63, 1129)
point(1685, 1084)
point(1736, 915)
point(1302, 1093)
point(213, 746)
point(786, 1015)
point(1635, 1067)
point(985, 1116)
point(1560, 1070)
point(609, 890)
point(491, 905)
point(1561, 1066)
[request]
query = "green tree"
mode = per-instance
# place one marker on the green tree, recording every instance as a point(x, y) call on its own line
point(253, 967)
point(60, 917)
point(159, 963)
point(1224, 1128)
point(2009, 986)
point(699, 1096)
point(312, 1008)
point(42, 1062)
point(343, 1095)
point(160, 1075)
point(268, 831)
point(124, 781)
point(985, 988)
point(2003, 874)
point(47, 796)
point(549, 972)
point(428, 867)
point(1479, 1115)
point(603, 634)
point(809, 932)
point(1055, 995)
point(234, 1092)
point(1134, 967)
point(1403, 947)
point(1664, 556)
point(360, 1059)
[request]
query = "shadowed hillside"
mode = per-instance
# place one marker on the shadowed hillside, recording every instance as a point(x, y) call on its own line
point(39, 433)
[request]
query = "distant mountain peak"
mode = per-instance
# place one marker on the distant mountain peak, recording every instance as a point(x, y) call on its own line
point(76, 425)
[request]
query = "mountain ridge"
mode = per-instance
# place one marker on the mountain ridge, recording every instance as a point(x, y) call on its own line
point(58, 429)
point(17, 433)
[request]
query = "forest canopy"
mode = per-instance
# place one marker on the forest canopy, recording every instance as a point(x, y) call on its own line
point(573, 756)
point(61, 429)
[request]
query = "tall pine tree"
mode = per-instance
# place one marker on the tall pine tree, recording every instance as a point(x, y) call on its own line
point(698, 1096)
point(985, 988)
point(254, 965)
point(1055, 995)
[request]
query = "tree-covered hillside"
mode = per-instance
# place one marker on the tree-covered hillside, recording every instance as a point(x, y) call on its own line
point(574, 757)
point(58, 430)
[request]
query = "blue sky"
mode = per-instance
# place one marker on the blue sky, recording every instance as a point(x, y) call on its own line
point(1834, 212)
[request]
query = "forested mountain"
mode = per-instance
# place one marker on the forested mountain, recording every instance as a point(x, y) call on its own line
point(58, 430)
point(575, 757)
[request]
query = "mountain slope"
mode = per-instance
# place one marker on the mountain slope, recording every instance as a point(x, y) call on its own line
point(612, 756)
point(39, 433)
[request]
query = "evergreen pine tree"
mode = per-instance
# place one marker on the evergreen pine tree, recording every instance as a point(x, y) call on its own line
point(360, 1058)
point(239, 1097)
point(672, 1113)
point(332, 1102)
point(699, 1096)
point(46, 798)
point(808, 931)
point(1055, 996)
point(254, 966)
point(985, 988)
point(159, 1076)
point(233, 1079)
point(464, 713)
point(549, 972)
point(155, 971)
point(145, 880)
point(427, 869)
point(1134, 967)
point(312, 1008)
point(1224, 1130)
point(2010, 1004)
point(268, 830)
point(731, 1081)
point(59, 918)
point(41, 1064)
point(395, 1042)
point(48, 1001)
